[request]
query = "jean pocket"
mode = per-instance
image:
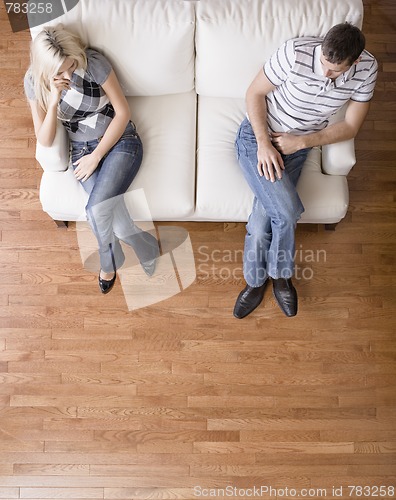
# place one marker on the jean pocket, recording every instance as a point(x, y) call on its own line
point(77, 154)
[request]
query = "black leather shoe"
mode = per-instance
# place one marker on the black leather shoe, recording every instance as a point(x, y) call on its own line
point(248, 300)
point(106, 285)
point(286, 296)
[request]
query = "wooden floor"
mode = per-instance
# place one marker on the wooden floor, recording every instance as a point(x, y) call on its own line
point(179, 399)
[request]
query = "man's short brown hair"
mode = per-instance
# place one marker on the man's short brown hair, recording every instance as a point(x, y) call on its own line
point(343, 42)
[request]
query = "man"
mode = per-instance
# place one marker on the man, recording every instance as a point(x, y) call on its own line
point(288, 107)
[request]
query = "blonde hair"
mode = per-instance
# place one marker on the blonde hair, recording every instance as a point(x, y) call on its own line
point(48, 52)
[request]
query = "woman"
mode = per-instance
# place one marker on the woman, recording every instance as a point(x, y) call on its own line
point(73, 83)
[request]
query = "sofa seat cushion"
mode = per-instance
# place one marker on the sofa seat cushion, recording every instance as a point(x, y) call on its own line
point(167, 127)
point(223, 193)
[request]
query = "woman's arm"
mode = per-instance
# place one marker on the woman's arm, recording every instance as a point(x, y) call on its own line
point(88, 163)
point(45, 122)
point(122, 115)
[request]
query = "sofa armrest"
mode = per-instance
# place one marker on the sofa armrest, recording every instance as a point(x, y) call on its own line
point(55, 158)
point(339, 158)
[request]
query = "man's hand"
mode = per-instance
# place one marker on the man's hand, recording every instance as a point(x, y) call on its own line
point(86, 166)
point(287, 143)
point(269, 162)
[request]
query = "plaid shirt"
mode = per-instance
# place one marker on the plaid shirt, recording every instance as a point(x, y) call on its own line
point(85, 109)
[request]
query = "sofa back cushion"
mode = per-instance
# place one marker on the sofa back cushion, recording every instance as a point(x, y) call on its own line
point(235, 37)
point(149, 42)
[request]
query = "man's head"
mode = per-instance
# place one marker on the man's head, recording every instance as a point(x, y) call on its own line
point(343, 45)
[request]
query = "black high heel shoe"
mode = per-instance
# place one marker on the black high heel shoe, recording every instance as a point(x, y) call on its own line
point(106, 285)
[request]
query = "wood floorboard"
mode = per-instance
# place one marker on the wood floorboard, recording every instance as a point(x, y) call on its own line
point(100, 401)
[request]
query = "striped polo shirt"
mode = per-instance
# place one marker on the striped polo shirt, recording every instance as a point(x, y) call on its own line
point(304, 98)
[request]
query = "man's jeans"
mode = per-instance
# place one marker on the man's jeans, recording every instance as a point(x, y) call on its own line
point(270, 242)
point(106, 210)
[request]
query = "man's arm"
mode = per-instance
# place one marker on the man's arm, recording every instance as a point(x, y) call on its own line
point(342, 131)
point(269, 160)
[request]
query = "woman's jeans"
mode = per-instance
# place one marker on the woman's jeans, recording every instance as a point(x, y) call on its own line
point(270, 239)
point(106, 210)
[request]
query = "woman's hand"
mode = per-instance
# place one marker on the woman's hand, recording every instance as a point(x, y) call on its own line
point(86, 166)
point(57, 85)
point(269, 162)
point(287, 144)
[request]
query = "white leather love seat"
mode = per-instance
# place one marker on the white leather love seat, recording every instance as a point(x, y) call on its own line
point(184, 66)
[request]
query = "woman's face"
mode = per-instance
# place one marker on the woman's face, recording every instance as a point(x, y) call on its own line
point(66, 70)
